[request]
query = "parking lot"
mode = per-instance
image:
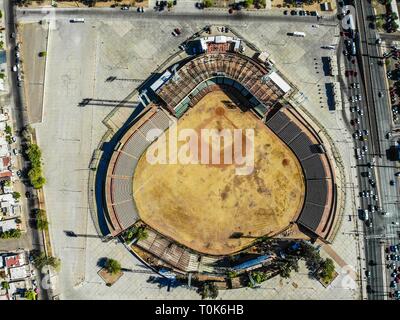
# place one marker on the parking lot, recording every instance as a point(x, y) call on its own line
point(81, 57)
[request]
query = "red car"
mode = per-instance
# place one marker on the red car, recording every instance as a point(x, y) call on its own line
point(177, 31)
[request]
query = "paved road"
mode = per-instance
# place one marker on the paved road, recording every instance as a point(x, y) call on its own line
point(20, 116)
point(380, 124)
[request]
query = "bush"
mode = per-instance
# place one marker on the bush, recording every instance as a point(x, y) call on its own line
point(42, 54)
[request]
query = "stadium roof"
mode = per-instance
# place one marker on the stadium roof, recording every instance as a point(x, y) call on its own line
point(277, 79)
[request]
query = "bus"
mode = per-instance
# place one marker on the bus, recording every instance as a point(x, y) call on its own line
point(299, 34)
point(77, 20)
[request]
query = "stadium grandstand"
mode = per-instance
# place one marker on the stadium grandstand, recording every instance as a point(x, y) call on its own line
point(253, 86)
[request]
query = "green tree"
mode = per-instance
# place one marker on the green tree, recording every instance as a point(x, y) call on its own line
point(41, 220)
point(208, 291)
point(208, 3)
point(41, 260)
point(138, 233)
point(5, 285)
point(259, 276)
point(34, 154)
point(11, 234)
point(16, 195)
point(42, 54)
point(247, 3)
point(113, 266)
point(327, 270)
point(30, 295)
point(8, 129)
point(54, 262)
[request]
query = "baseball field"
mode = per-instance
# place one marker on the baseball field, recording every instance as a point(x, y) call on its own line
point(210, 207)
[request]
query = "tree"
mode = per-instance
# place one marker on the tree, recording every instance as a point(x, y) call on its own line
point(41, 260)
point(30, 295)
point(13, 233)
point(5, 285)
point(54, 262)
point(42, 223)
point(138, 233)
point(259, 276)
point(42, 54)
point(16, 195)
point(113, 266)
point(208, 291)
point(8, 129)
point(208, 3)
point(247, 3)
point(41, 220)
point(327, 270)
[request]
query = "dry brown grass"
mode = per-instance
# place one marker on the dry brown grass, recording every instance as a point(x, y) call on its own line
point(201, 206)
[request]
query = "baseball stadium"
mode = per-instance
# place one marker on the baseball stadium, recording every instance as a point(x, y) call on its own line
point(194, 213)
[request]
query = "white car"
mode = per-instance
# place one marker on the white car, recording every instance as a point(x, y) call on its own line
point(395, 223)
point(15, 68)
point(15, 151)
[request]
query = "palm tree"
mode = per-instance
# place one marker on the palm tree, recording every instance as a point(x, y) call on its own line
point(113, 266)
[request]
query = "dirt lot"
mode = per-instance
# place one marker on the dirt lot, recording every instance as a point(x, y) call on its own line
point(202, 206)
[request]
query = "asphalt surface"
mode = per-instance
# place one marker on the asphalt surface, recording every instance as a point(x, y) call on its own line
point(382, 233)
point(20, 119)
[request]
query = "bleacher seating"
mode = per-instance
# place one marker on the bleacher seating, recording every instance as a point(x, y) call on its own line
point(318, 179)
point(120, 178)
point(196, 74)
